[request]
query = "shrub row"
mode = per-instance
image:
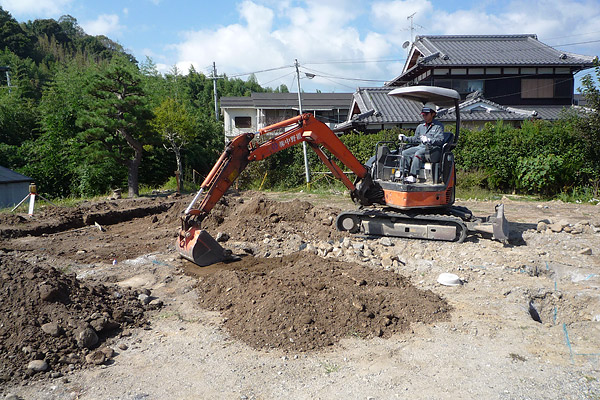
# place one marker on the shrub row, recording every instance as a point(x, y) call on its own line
point(540, 157)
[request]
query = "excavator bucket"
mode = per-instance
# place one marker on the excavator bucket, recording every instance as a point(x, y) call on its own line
point(199, 247)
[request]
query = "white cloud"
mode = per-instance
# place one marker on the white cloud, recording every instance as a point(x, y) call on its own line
point(35, 7)
point(105, 24)
point(325, 35)
point(271, 37)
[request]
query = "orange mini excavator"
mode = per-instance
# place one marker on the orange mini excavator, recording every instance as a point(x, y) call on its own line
point(387, 205)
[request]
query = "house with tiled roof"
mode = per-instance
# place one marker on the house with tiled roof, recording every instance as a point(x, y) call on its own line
point(508, 77)
point(251, 113)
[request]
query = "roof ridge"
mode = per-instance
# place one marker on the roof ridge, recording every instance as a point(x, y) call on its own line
point(519, 35)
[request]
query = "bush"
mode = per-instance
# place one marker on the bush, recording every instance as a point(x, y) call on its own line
point(540, 174)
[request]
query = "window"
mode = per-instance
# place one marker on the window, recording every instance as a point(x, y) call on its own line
point(462, 86)
point(537, 88)
point(458, 71)
point(476, 71)
point(243, 122)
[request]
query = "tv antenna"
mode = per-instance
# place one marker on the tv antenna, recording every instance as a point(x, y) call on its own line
point(413, 26)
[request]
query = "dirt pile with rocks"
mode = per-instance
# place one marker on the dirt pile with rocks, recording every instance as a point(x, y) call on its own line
point(256, 217)
point(52, 322)
point(302, 302)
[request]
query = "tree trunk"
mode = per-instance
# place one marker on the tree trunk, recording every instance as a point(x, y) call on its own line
point(133, 181)
point(179, 166)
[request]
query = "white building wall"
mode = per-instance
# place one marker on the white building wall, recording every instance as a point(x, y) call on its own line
point(229, 115)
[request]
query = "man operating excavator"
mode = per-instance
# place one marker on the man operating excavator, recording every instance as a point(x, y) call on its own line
point(428, 138)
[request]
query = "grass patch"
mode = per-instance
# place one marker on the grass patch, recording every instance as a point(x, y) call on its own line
point(330, 367)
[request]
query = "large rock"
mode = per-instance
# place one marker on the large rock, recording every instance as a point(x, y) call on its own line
point(86, 338)
point(37, 366)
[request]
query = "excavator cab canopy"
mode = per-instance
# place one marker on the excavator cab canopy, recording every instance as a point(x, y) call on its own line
point(442, 97)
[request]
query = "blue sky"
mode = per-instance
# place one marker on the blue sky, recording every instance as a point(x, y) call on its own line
point(345, 43)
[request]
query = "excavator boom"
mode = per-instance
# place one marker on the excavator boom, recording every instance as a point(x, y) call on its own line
point(196, 244)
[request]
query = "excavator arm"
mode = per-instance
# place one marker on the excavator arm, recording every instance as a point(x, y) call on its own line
point(196, 244)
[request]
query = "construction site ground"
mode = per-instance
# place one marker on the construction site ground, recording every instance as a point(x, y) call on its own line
point(97, 304)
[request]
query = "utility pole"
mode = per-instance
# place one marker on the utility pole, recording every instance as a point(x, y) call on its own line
point(304, 150)
point(214, 79)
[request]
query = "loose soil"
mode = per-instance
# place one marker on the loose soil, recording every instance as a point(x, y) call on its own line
point(307, 312)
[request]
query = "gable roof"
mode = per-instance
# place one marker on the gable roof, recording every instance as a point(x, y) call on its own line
point(9, 176)
point(485, 51)
point(373, 106)
point(310, 101)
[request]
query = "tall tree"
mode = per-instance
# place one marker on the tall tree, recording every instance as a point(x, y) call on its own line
point(13, 37)
point(176, 127)
point(115, 119)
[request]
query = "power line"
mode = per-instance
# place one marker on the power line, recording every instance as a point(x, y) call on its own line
point(263, 70)
point(326, 75)
point(566, 36)
point(356, 61)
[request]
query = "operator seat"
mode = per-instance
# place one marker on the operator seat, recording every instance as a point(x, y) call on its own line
point(438, 157)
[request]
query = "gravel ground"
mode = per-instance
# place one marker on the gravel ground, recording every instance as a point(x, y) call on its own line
point(492, 346)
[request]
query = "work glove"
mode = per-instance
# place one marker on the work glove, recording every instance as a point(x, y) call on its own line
point(425, 139)
point(402, 137)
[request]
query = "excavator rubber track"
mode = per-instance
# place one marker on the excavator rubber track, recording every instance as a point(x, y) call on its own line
point(451, 227)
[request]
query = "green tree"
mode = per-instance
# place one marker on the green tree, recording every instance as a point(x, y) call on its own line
point(589, 124)
point(13, 37)
point(176, 127)
point(55, 158)
point(116, 116)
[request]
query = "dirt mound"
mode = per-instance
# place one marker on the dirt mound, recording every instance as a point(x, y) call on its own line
point(53, 320)
point(49, 220)
point(303, 302)
point(254, 218)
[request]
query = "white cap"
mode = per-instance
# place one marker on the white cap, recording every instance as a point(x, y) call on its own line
point(429, 106)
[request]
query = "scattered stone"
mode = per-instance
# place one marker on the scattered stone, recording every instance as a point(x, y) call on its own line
point(358, 245)
point(96, 357)
point(156, 303)
point(48, 292)
point(556, 227)
point(86, 338)
point(123, 346)
point(52, 329)
point(386, 241)
point(222, 237)
point(542, 226)
point(37, 366)
point(587, 251)
point(144, 299)
point(108, 352)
